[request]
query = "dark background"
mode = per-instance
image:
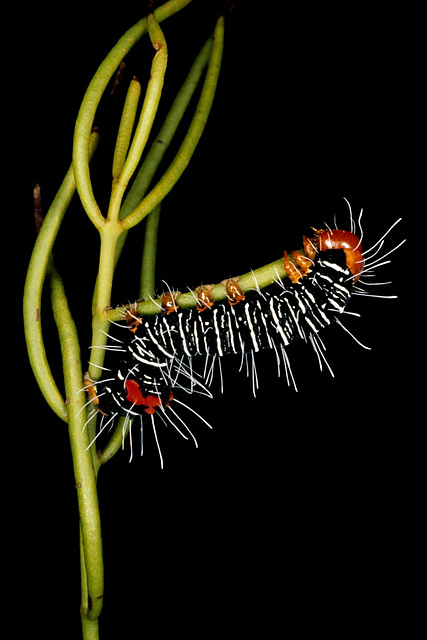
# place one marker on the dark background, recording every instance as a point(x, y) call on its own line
point(296, 507)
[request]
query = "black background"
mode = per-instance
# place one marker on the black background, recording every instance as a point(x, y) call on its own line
point(297, 508)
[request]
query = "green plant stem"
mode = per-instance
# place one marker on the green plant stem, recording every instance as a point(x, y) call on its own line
point(134, 197)
point(84, 470)
point(91, 101)
point(111, 230)
point(34, 286)
point(159, 146)
point(90, 628)
point(146, 172)
point(148, 113)
point(126, 126)
point(109, 233)
point(166, 133)
point(116, 440)
point(253, 280)
point(196, 128)
point(148, 267)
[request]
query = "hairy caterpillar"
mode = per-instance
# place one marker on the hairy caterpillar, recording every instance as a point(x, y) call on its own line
point(153, 355)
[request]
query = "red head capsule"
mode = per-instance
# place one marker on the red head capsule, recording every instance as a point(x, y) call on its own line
point(348, 242)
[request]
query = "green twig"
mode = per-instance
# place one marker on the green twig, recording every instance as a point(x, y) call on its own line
point(90, 628)
point(148, 267)
point(92, 99)
point(34, 286)
point(146, 172)
point(148, 113)
point(84, 470)
point(166, 133)
point(158, 148)
point(116, 440)
point(253, 280)
point(126, 126)
point(112, 228)
point(182, 158)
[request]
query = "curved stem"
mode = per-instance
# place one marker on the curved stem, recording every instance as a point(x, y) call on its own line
point(120, 432)
point(166, 133)
point(84, 471)
point(148, 113)
point(135, 195)
point(182, 158)
point(34, 286)
point(91, 101)
point(163, 139)
point(125, 129)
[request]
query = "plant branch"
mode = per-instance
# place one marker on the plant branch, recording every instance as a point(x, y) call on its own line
point(34, 286)
point(90, 628)
point(187, 148)
point(148, 113)
point(118, 436)
point(163, 139)
point(111, 230)
point(84, 471)
point(148, 267)
point(159, 146)
point(109, 234)
point(92, 99)
point(126, 126)
point(253, 280)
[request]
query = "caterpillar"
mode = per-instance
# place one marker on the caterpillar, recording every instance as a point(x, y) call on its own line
point(152, 356)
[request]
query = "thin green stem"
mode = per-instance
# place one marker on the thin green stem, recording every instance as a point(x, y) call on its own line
point(90, 628)
point(166, 133)
point(185, 152)
point(121, 431)
point(84, 471)
point(145, 174)
point(109, 233)
point(91, 101)
point(253, 280)
point(112, 228)
point(148, 113)
point(159, 146)
point(148, 267)
point(126, 126)
point(34, 286)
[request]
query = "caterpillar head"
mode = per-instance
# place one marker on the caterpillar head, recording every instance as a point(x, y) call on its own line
point(348, 242)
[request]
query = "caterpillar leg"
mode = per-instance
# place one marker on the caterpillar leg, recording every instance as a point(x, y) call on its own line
point(91, 390)
point(234, 292)
point(204, 297)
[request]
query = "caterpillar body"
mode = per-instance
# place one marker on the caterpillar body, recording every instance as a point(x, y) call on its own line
point(154, 354)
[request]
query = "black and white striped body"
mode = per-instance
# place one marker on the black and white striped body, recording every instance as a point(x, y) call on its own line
point(150, 356)
point(164, 344)
point(258, 322)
